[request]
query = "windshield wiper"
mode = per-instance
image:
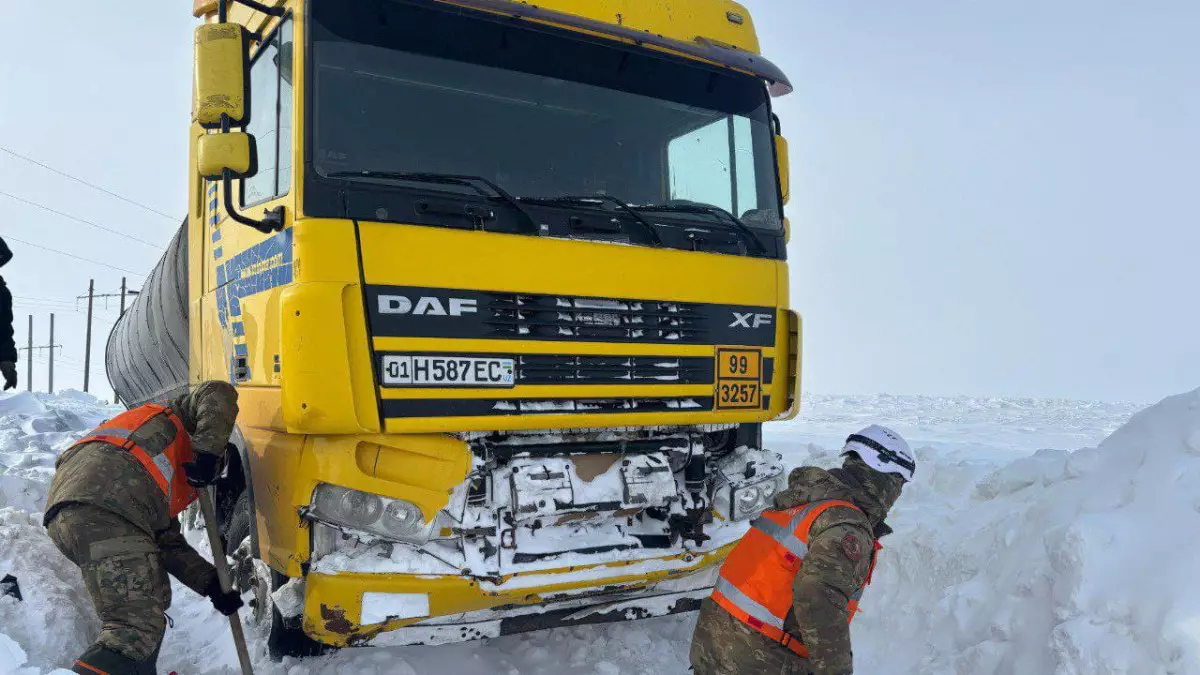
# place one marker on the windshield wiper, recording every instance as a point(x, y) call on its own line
point(472, 182)
point(744, 233)
point(570, 200)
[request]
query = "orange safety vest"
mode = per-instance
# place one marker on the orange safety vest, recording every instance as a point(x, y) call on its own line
point(166, 468)
point(755, 584)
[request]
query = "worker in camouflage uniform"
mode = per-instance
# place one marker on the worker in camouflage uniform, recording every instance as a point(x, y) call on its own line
point(787, 592)
point(113, 510)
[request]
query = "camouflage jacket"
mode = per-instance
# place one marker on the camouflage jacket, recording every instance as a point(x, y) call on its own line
point(108, 477)
point(840, 549)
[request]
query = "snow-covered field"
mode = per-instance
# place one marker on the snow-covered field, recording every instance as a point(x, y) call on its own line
point(1034, 541)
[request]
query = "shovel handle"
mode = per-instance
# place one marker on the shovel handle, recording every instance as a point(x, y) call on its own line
point(209, 510)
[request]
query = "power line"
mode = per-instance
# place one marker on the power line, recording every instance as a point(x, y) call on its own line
point(93, 186)
point(81, 220)
point(35, 303)
point(52, 308)
point(30, 297)
point(69, 255)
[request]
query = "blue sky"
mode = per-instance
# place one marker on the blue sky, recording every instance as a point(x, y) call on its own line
point(994, 198)
point(988, 198)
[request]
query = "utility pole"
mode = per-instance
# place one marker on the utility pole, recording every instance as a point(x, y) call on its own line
point(125, 290)
point(31, 349)
point(91, 298)
point(52, 352)
point(87, 347)
point(29, 359)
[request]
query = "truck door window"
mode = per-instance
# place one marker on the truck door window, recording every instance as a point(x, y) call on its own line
point(284, 182)
point(270, 119)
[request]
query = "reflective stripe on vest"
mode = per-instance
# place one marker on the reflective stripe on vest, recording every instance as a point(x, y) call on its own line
point(749, 606)
point(782, 535)
point(755, 583)
point(165, 465)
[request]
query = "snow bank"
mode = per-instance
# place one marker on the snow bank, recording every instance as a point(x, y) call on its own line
point(1007, 426)
point(13, 659)
point(56, 616)
point(647, 647)
point(1008, 558)
point(34, 429)
point(1059, 563)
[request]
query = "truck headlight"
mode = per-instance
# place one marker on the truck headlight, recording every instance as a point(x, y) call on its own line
point(394, 519)
point(403, 519)
point(746, 500)
point(750, 500)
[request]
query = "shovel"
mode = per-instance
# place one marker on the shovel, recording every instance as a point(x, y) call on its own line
point(208, 508)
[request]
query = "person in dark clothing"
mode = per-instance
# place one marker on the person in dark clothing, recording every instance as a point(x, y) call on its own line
point(8, 348)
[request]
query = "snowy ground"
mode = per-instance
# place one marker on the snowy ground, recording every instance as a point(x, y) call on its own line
point(1014, 553)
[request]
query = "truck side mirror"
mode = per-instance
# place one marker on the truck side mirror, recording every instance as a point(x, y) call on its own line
point(221, 87)
point(781, 152)
point(232, 151)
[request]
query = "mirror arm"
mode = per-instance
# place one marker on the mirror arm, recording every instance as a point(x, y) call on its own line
point(272, 218)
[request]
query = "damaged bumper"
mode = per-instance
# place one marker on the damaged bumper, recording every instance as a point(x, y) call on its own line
point(545, 531)
point(354, 609)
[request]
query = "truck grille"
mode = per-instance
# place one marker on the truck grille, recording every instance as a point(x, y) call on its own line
point(563, 318)
point(476, 407)
point(538, 369)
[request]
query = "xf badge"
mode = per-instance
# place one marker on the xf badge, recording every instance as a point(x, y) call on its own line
point(750, 320)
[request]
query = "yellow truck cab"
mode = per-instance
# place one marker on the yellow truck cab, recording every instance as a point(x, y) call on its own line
point(503, 289)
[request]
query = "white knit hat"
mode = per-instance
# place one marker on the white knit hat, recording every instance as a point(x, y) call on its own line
point(883, 450)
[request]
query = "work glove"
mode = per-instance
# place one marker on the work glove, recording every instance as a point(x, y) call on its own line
point(10, 374)
point(204, 469)
point(225, 603)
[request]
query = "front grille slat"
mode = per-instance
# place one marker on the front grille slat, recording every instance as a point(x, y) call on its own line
point(594, 319)
point(546, 369)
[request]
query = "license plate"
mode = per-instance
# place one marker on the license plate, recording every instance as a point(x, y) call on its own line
point(739, 395)
point(739, 379)
point(447, 371)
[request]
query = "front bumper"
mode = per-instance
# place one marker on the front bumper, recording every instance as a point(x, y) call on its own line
point(465, 608)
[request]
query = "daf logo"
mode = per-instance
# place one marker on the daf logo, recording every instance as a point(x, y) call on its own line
point(427, 306)
point(750, 320)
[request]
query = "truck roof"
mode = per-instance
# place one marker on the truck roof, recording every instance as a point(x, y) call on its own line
point(718, 31)
point(720, 21)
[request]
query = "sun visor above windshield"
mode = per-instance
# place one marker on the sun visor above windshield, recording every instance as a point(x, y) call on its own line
point(699, 47)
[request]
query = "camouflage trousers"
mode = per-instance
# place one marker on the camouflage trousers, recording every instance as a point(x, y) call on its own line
point(723, 645)
point(124, 577)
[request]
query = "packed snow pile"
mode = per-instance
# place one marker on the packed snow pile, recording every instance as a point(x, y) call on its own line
point(34, 428)
point(56, 617)
point(1060, 562)
point(1008, 558)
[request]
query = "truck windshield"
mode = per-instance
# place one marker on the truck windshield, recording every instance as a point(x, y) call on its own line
point(411, 88)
